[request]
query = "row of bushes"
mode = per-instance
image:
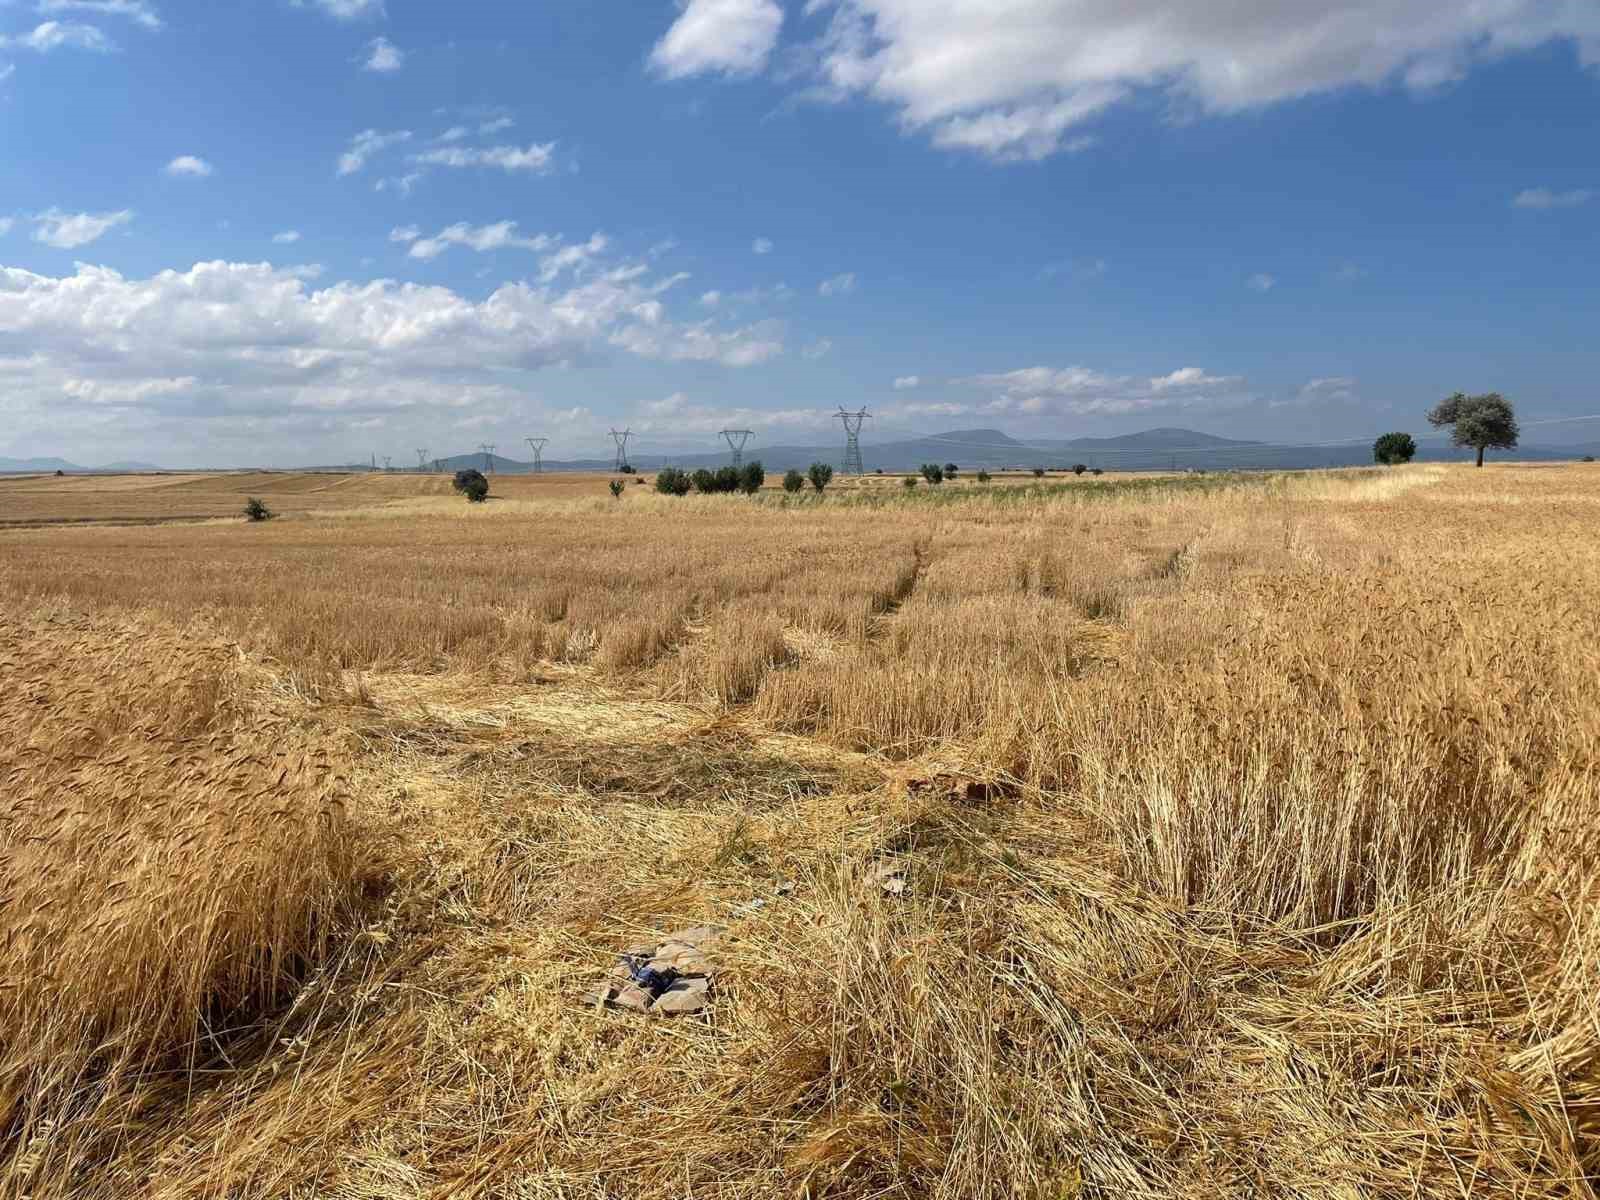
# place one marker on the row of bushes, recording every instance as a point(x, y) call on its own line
point(673, 481)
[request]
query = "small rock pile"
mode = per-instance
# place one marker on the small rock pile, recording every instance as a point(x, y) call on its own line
point(665, 978)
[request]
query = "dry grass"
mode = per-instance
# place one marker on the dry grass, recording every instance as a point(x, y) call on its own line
point(1248, 833)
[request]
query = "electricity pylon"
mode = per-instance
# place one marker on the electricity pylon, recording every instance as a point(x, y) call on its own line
point(852, 439)
point(736, 442)
point(621, 439)
point(537, 446)
point(422, 461)
point(386, 461)
point(488, 456)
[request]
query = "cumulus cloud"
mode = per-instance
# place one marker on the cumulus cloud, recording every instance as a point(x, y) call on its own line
point(135, 10)
point(1545, 198)
point(708, 299)
point(398, 183)
point(497, 125)
point(5, 225)
point(347, 10)
point(906, 382)
point(56, 35)
point(188, 164)
point(761, 246)
point(454, 134)
point(1026, 86)
point(366, 144)
point(820, 348)
point(67, 231)
point(1080, 391)
point(1335, 389)
point(383, 56)
point(1261, 282)
point(7, 71)
point(287, 238)
point(257, 350)
point(839, 285)
point(536, 157)
point(728, 37)
point(502, 235)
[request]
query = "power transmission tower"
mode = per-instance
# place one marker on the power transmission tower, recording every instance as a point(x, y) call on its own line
point(386, 461)
point(488, 456)
point(621, 439)
point(422, 461)
point(736, 442)
point(436, 467)
point(852, 440)
point(537, 446)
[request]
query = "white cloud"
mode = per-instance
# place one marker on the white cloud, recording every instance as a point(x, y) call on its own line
point(383, 56)
point(135, 10)
point(399, 183)
point(498, 125)
point(502, 235)
point(287, 238)
point(1026, 85)
point(53, 35)
point(255, 351)
point(5, 225)
point(708, 299)
point(7, 71)
point(730, 37)
point(454, 134)
point(839, 285)
point(367, 143)
point(1261, 282)
point(347, 10)
point(1081, 391)
point(820, 348)
point(1338, 389)
point(1545, 198)
point(761, 246)
point(188, 164)
point(679, 414)
point(536, 157)
point(1349, 273)
point(906, 382)
point(67, 231)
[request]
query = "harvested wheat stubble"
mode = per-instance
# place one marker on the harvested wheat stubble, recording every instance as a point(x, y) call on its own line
point(175, 859)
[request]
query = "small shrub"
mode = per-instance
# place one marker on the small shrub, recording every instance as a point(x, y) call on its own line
point(983, 477)
point(1097, 471)
point(1038, 472)
point(704, 481)
point(950, 470)
point(638, 479)
point(1588, 458)
point(472, 484)
point(256, 510)
point(909, 482)
point(793, 481)
point(61, 474)
point(670, 481)
point(628, 469)
point(752, 477)
point(933, 472)
point(1079, 468)
point(616, 486)
point(820, 474)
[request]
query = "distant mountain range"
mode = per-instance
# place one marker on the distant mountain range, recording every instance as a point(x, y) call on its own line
point(29, 466)
point(1151, 450)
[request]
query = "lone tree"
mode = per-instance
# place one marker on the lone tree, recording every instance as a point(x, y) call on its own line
point(616, 486)
point(752, 477)
point(1079, 468)
point(471, 484)
point(1393, 448)
point(950, 470)
point(933, 472)
point(793, 481)
point(1482, 422)
point(820, 474)
point(256, 510)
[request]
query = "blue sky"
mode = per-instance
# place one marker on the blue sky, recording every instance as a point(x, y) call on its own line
point(261, 231)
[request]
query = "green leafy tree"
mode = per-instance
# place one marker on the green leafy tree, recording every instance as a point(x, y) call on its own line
point(1079, 468)
point(821, 475)
point(670, 481)
point(793, 481)
point(752, 477)
point(983, 477)
point(933, 472)
point(1038, 472)
point(256, 510)
point(472, 484)
point(617, 487)
point(1486, 422)
point(909, 482)
point(704, 481)
point(950, 470)
point(1393, 448)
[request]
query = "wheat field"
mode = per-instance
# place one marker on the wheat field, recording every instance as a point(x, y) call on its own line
point(1242, 828)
